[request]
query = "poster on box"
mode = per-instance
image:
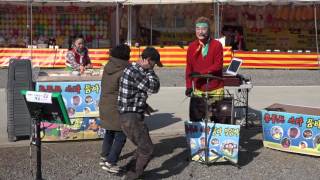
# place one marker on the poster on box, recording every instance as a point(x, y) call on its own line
point(80, 129)
point(80, 98)
point(82, 103)
point(223, 141)
point(298, 133)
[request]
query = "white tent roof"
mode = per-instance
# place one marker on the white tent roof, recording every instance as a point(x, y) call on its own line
point(137, 2)
point(235, 2)
point(168, 1)
point(275, 2)
point(82, 3)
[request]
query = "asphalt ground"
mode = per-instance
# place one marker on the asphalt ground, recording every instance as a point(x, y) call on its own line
point(174, 77)
point(79, 160)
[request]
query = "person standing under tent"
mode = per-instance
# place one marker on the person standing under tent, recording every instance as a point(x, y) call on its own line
point(238, 41)
point(77, 59)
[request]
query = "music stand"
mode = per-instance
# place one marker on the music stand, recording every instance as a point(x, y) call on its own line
point(206, 147)
point(207, 77)
point(44, 106)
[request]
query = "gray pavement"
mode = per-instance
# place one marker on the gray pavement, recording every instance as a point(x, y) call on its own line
point(3, 118)
point(171, 77)
point(173, 106)
point(174, 77)
point(79, 160)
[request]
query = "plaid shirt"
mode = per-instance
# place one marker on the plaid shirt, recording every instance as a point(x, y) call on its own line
point(135, 84)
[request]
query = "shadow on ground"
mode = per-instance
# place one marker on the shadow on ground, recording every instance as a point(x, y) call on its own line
point(177, 147)
point(250, 138)
point(173, 147)
point(160, 120)
point(178, 154)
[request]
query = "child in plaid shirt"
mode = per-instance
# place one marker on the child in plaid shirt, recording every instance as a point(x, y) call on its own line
point(137, 81)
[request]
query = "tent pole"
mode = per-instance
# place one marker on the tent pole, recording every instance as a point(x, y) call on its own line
point(129, 33)
point(117, 24)
point(216, 18)
point(316, 32)
point(31, 27)
point(151, 31)
point(27, 25)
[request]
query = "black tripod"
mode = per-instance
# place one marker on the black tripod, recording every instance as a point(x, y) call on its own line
point(207, 77)
point(206, 149)
point(36, 116)
point(44, 107)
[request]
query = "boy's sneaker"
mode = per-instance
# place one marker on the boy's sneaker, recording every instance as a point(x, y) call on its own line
point(111, 168)
point(103, 160)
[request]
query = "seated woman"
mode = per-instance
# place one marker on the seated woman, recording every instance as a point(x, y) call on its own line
point(77, 59)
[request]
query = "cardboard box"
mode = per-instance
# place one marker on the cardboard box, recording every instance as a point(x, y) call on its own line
point(292, 128)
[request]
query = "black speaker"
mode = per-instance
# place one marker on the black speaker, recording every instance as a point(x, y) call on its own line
point(19, 78)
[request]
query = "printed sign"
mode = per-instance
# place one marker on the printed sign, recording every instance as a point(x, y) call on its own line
point(222, 140)
point(39, 97)
point(291, 132)
point(80, 129)
point(82, 102)
point(80, 98)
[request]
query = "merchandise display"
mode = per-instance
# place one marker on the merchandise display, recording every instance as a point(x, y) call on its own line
point(56, 23)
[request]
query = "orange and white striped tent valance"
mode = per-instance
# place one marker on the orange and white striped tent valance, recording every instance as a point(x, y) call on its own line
point(48, 58)
point(276, 60)
point(175, 56)
point(55, 58)
point(170, 56)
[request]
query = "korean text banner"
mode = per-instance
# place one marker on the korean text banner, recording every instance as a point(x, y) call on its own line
point(299, 133)
point(223, 141)
point(82, 102)
point(81, 98)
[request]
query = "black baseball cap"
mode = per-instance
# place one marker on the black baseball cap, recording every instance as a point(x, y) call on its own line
point(121, 51)
point(153, 54)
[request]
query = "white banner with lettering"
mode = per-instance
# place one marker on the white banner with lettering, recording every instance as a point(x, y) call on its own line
point(39, 97)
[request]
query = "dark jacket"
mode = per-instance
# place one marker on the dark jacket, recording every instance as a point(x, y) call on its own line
point(108, 110)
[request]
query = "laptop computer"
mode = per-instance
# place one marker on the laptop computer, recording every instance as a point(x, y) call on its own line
point(234, 66)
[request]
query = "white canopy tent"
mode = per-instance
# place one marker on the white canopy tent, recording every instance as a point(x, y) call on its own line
point(143, 2)
point(80, 3)
point(233, 2)
point(217, 13)
point(129, 3)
